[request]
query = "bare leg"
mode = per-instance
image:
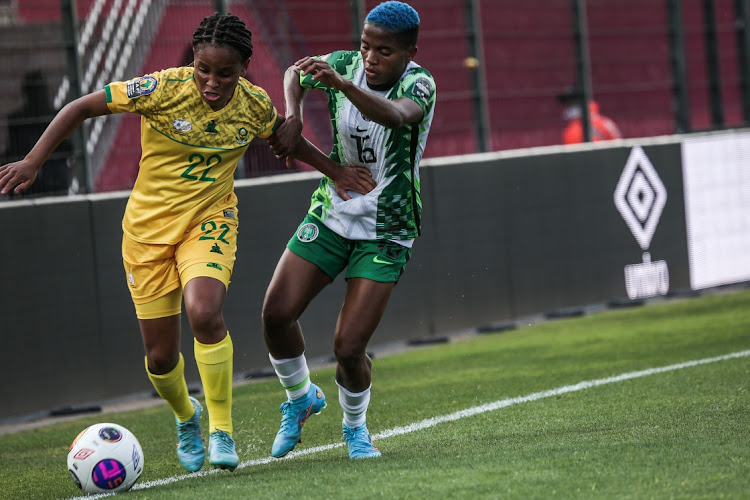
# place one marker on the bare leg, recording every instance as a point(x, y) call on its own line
point(161, 341)
point(364, 305)
point(214, 351)
point(295, 283)
point(164, 365)
point(204, 298)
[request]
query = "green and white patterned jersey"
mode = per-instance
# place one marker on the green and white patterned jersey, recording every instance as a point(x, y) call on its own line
point(392, 209)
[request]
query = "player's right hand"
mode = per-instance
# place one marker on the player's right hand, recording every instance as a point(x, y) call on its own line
point(18, 176)
point(321, 72)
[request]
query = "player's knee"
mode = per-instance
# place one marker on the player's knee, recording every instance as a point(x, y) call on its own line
point(275, 315)
point(161, 361)
point(205, 318)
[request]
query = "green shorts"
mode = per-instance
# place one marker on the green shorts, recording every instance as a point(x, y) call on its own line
point(377, 260)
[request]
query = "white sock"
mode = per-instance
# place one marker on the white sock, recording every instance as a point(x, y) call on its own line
point(354, 406)
point(293, 375)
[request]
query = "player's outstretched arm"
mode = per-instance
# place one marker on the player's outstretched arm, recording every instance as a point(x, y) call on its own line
point(19, 175)
point(390, 113)
point(345, 178)
point(357, 179)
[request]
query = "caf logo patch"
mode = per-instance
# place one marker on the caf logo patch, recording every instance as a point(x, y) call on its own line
point(141, 86)
point(422, 89)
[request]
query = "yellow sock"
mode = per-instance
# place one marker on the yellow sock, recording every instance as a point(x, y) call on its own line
point(215, 366)
point(173, 389)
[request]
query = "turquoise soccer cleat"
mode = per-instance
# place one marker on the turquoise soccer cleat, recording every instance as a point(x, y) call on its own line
point(190, 449)
point(221, 451)
point(359, 442)
point(294, 414)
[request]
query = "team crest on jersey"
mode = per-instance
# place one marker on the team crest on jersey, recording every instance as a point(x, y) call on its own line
point(211, 128)
point(182, 125)
point(308, 232)
point(422, 89)
point(242, 136)
point(141, 86)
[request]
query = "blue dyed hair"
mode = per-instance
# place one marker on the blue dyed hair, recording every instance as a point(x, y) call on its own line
point(397, 17)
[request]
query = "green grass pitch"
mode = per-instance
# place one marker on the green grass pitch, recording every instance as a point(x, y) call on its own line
point(683, 432)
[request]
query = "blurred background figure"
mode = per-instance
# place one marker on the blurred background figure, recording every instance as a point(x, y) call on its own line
point(25, 126)
point(603, 128)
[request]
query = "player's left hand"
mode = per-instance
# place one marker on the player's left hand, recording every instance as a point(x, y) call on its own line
point(17, 176)
point(358, 179)
point(321, 72)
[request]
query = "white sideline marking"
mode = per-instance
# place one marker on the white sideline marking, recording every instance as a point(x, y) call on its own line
point(432, 422)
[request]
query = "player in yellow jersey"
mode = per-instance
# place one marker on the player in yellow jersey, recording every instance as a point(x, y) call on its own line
point(180, 224)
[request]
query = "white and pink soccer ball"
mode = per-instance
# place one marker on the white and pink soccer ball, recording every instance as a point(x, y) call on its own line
point(105, 458)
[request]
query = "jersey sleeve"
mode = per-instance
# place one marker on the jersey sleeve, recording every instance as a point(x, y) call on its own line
point(271, 125)
point(338, 61)
point(419, 86)
point(138, 95)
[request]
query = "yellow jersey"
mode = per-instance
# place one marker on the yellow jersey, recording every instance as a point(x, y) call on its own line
point(189, 151)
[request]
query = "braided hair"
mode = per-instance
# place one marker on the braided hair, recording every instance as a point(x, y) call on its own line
point(225, 30)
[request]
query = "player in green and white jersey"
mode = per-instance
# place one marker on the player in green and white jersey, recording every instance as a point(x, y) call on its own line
point(381, 104)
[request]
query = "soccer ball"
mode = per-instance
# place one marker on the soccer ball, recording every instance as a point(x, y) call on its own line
point(105, 458)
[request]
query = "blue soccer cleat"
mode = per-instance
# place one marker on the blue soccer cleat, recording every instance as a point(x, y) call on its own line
point(221, 451)
point(359, 442)
point(294, 414)
point(190, 449)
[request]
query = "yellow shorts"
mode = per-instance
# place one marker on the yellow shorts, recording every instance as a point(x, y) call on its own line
point(156, 273)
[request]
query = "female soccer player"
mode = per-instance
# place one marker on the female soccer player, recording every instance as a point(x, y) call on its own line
point(381, 104)
point(180, 224)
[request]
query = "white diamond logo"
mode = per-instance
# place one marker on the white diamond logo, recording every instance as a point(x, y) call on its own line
point(640, 196)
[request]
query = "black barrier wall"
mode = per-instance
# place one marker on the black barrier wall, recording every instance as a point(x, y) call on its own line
point(504, 236)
